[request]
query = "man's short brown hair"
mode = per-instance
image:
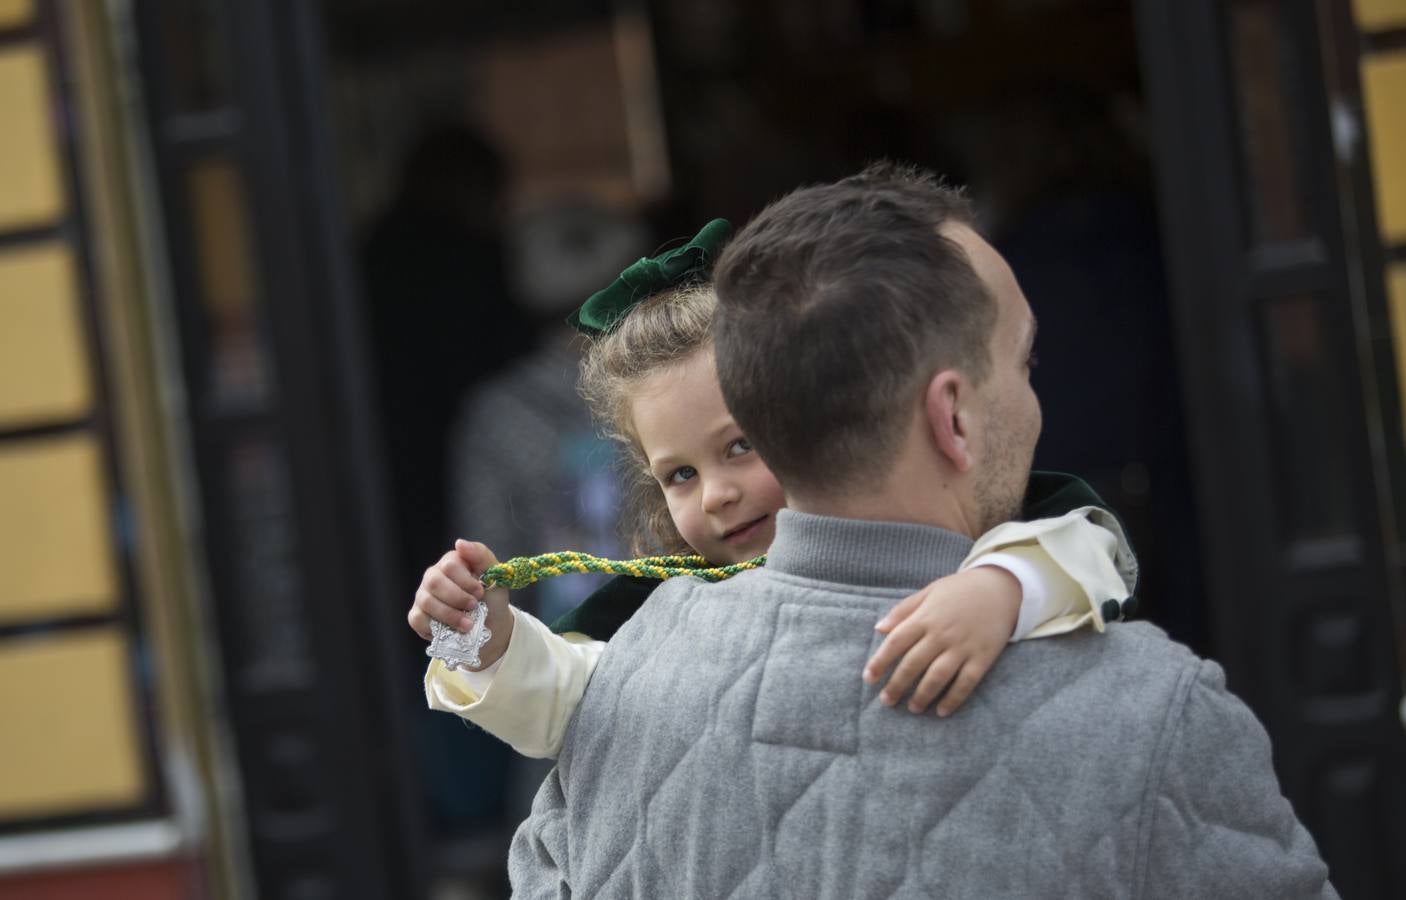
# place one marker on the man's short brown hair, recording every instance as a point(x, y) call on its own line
point(837, 304)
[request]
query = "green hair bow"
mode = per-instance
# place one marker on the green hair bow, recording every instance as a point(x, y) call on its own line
point(652, 274)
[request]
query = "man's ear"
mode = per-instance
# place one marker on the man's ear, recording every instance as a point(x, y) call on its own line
point(945, 403)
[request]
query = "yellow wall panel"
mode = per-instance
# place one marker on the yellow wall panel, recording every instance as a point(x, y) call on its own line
point(43, 356)
point(56, 555)
point(14, 13)
point(1396, 305)
point(71, 741)
point(1384, 96)
point(222, 233)
point(1374, 15)
point(31, 192)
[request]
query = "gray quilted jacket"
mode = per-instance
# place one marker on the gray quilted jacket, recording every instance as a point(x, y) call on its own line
point(726, 747)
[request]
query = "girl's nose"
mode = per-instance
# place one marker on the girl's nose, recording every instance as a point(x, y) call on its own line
point(718, 493)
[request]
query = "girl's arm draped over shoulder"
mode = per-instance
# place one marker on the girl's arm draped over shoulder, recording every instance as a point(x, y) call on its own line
point(1052, 495)
point(1072, 568)
point(1075, 570)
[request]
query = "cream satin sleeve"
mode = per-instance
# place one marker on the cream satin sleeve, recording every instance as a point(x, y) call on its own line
point(526, 698)
point(1082, 558)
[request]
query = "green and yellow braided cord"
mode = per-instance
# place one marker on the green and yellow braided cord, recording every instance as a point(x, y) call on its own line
point(521, 571)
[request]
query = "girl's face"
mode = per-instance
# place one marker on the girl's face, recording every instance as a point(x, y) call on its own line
point(722, 498)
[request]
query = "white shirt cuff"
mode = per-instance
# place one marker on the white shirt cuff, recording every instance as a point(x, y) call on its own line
point(479, 682)
point(1036, 603)
point(534, 693)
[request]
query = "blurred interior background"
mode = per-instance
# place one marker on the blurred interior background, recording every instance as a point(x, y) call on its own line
point(282, 290)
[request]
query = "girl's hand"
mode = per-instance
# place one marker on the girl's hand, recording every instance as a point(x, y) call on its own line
point(948, 634)
point(449, 592)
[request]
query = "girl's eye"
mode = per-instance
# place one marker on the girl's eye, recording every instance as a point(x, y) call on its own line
point(739, 447)
point(680, 475)
point(1032, 360)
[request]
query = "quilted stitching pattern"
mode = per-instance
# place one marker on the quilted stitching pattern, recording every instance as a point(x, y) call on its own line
point(692, 805)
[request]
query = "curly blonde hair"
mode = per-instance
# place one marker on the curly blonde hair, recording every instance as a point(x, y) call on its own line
point(662, 331)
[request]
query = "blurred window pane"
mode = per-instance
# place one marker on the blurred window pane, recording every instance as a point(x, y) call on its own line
point(1262, 60)
point(31, 191)
point(56, 540)
point(72, 734)
point(43, 348)
point(240, 373)
point(1384, 99)
point(1396, 306)
point(198, 71)
point(1308, 406)
point(1379, 15)
point(16, 13)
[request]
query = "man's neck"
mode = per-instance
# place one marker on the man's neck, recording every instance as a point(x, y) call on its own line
point(902, 497)
point(919, 486)
point(888, 509)
point(862, 552)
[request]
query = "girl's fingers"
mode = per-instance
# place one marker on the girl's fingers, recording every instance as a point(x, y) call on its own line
point(446, 590)
point(913, 664)
point(893, 647)
point(937, 677)
point(426, 607)
point(478, 556)
point(457, 571)
point(446, 614)
point(962, 687)
point(419, 621)
point(447, 593)
point(902, 611)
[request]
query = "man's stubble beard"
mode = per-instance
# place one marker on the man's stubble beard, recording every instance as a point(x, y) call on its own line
point(1000, 495)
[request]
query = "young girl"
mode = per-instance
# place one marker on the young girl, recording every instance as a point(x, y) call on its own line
point(696, 486)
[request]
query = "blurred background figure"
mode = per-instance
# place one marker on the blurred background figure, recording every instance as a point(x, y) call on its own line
point(442, 318)
point(526, 470)
point(281, 300)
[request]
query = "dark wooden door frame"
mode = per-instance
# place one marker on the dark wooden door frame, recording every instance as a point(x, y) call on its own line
point(312, 684)
point(1308, 626)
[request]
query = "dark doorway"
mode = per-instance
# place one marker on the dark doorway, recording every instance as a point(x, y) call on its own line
point(1037, 107)
point(1035, 104)
point(1286, 364)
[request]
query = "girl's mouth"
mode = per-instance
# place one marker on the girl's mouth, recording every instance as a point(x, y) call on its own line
point(744, 533)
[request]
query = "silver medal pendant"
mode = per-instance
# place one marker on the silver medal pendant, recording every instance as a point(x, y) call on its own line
point(457, 649)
